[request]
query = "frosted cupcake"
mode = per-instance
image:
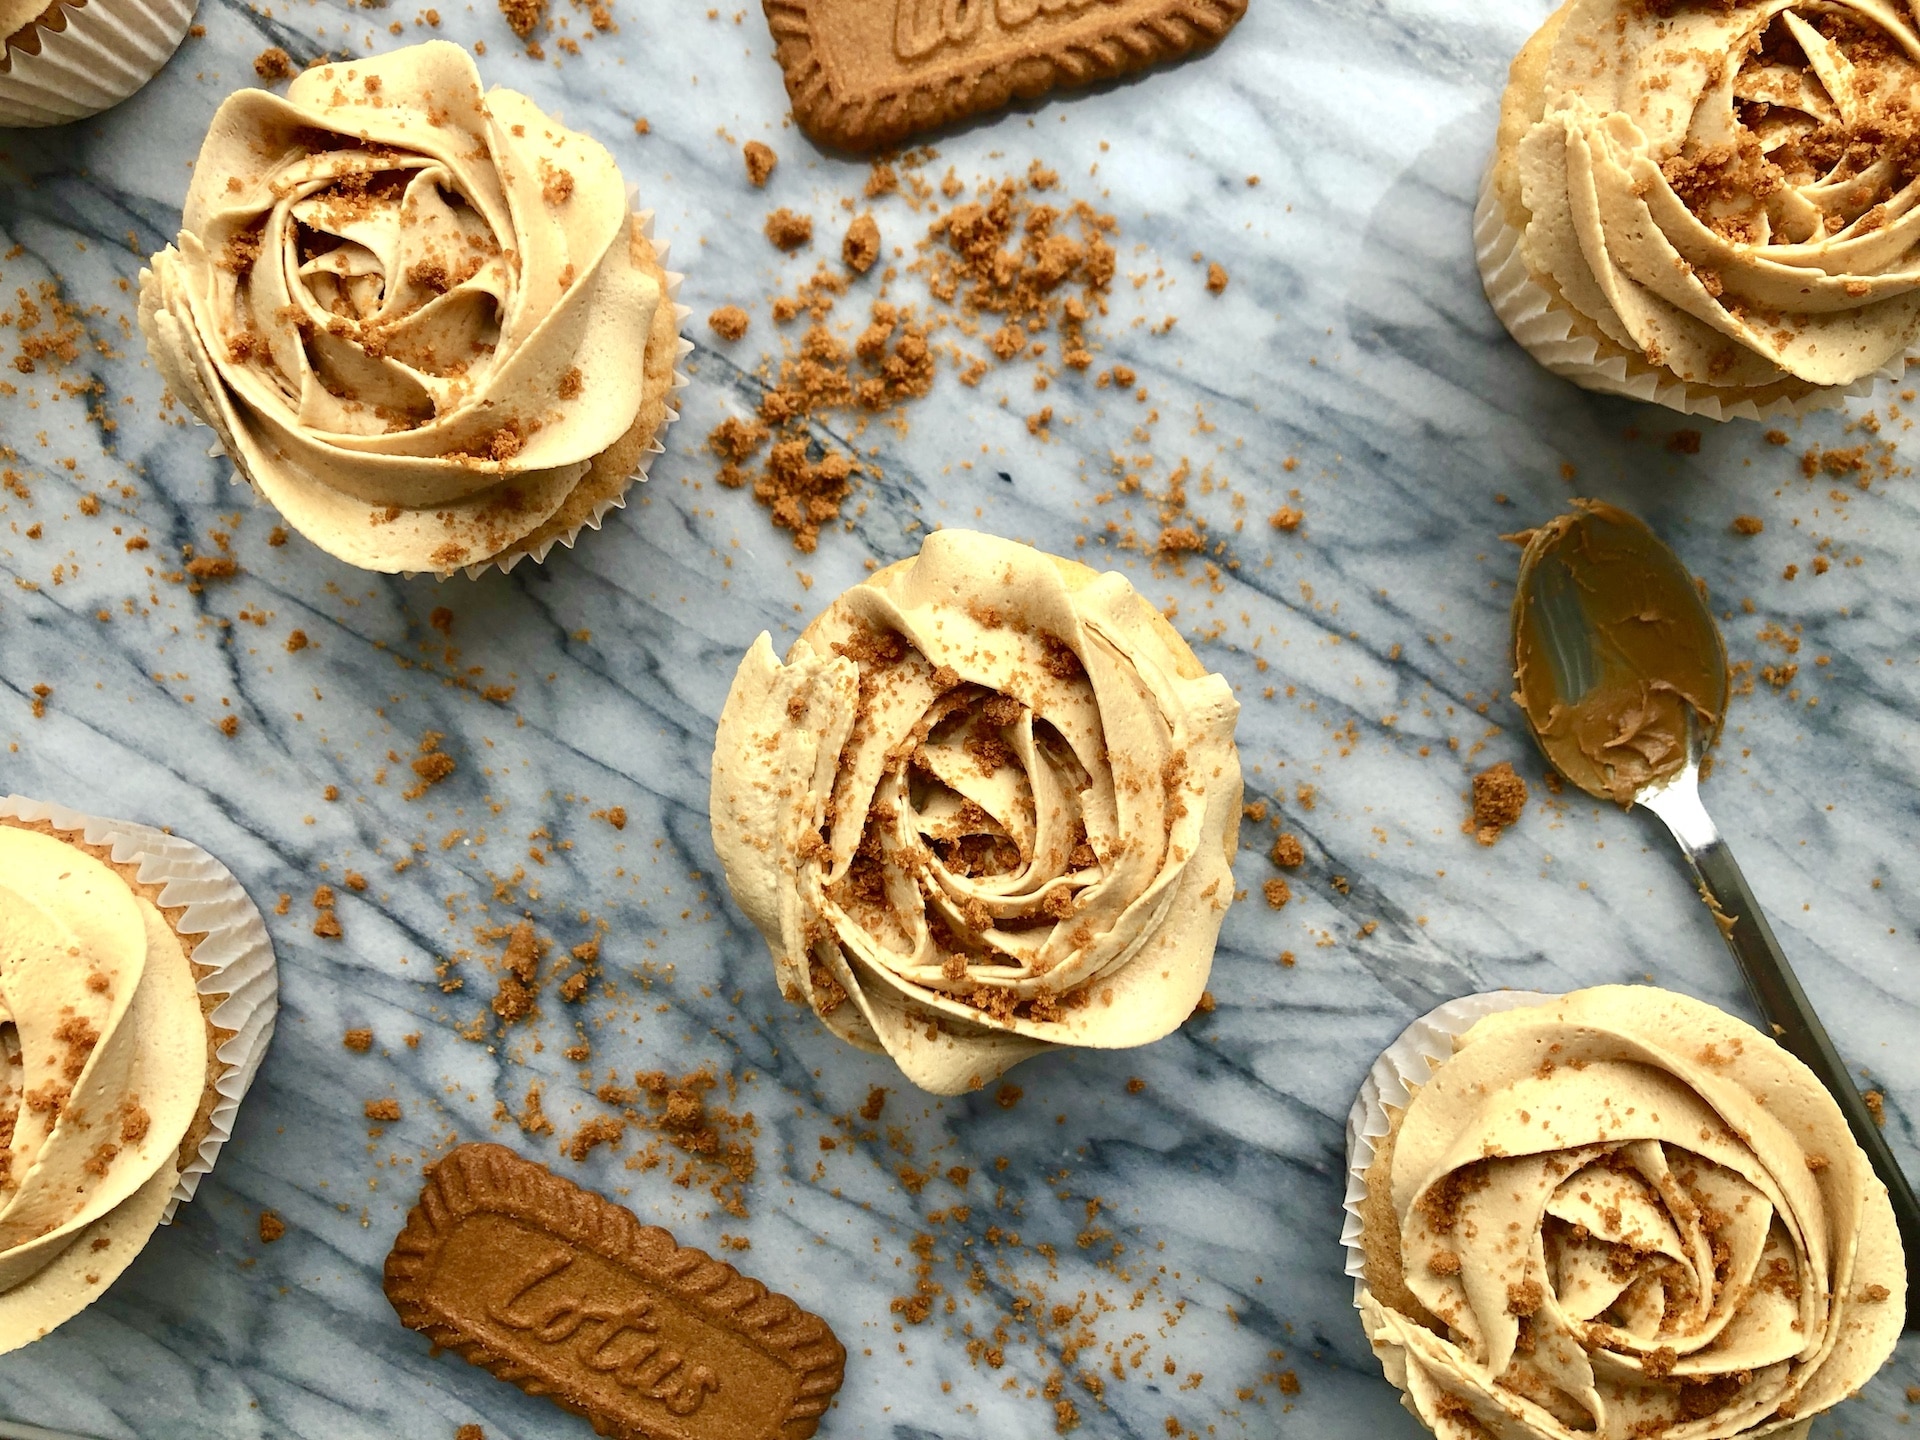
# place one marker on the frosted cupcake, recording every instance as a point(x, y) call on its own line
point(137, 987)
point(1710, 206)
point(73, 58)
point(423, 320)
point(987, 808)
point(1614, 1212)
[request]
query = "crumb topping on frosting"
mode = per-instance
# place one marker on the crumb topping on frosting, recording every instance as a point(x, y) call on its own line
point(986, 807)
point(407, 307)
point(1624, 1213)
point(1731, 190)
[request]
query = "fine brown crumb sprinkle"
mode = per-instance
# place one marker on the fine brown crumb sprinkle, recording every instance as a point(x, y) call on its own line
point(1216, 278)
point(1287, 517)
point(273, 64)
point(297, 641)
point(358, 1041)
point(1278, 893)
point(1008, 1096)
point(1876, 1107)
point(272, 1227)
point(1499, 796)
point(327, 925)
point(387, 1109)
point(1748, 525)
point(760, 162)
point(729, 322)
point(789, 231)
point(875, 1102)
point(861, 248)
point(1288, 852)
point(469, 1432)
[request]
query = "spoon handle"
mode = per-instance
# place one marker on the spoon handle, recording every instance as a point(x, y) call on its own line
point(1783, 1004)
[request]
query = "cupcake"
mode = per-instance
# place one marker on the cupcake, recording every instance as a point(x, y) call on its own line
point(422, 320)
point(137, 986)
point(1710, 206)
point(1614, 1212)
point(987, 808)
point(74, 58)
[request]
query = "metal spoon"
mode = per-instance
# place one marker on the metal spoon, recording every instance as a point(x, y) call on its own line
point(1623, 679)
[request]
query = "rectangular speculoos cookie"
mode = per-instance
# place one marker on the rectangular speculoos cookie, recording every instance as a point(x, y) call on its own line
point(866, 73)
point(568, 1295)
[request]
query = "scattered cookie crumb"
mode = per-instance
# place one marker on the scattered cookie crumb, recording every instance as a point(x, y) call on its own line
point(1499, 795)
point(1216, 278)
point(760, 162)
point(272, 1227)
point(273, 64)
point(789, 231)
point(729, 322)
point(1287, 517)
point(469, 1432)
point(1278, 893)
point(1288, 852)
point(388, 1109)
point(862, 246)
point(358, 1041)
point(1876, 1107)
point(523, 15)
point(1748, 525)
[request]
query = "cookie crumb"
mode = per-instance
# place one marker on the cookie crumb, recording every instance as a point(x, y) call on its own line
point(1499, 797)
point(760, 162)
point(273, 64)
point(789, 231)
point(1288, 853)
point(1278, 893)
point(523, 15)
point(359, 1041)
point(272, 1227)
point(387, 1109)
point(1287, 517)
point(861, 248)
point(1216, 278)
point(729, 322)
point(1748, 525)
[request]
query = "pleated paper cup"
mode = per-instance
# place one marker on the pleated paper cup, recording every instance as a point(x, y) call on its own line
point(90, 58)
point(1545, 329)
point(232, 957)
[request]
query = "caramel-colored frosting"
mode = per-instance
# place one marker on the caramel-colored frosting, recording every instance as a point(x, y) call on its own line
point(1614, 652)
point(1623, 1212)
point(987, 807)
point(102, 1067)
point(1727, 191)
point(413, 313)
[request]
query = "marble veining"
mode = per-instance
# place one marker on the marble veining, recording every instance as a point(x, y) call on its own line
point(1352, 339)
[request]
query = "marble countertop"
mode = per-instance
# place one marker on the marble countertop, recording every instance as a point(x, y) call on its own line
point(1351, 359)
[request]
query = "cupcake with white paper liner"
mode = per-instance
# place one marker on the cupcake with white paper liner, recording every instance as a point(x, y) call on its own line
point(1618, 1211)
point(423, 319)
point(987, 808)
point(1711, 207)
point(70, 59)
point(138, 993)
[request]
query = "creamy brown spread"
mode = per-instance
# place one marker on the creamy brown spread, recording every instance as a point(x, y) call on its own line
point(1613, 649)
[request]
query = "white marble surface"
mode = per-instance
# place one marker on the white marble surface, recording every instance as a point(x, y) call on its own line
point(1353, 336)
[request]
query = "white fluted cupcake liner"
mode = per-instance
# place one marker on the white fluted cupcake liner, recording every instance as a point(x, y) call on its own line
point(1407, 1063)
point(106, 50)
point(233, 946)
point(1544, 328)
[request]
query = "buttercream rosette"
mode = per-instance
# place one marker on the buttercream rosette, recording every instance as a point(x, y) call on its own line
point(1613, 1213)
point(137, 996)
point(986, 808)
point(1712, 206)
point(422, 319)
